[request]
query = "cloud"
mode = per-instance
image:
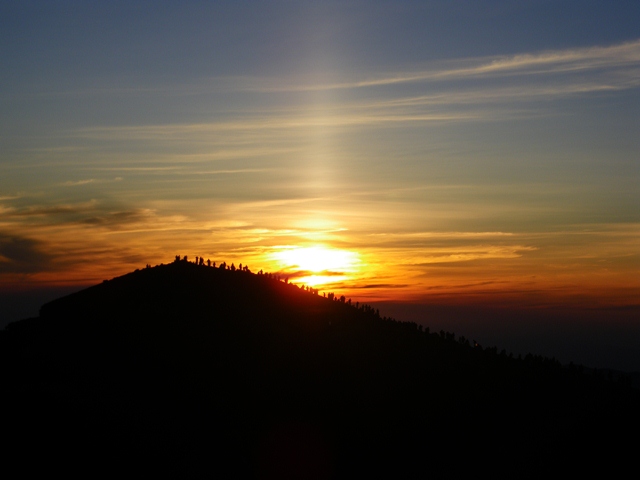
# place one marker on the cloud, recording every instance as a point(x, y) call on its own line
point(76, 183)
point(117, 219)
point(79, 182)
point(227, 172)
point(464, 286)
point(270, 122)
point(447, 235)
point(378, 285)
point(53, 210)
point(19, 254)
point(591, 58)
point(617, 57)
point(508, 94)
point(452, 98)
point(292, 274)
point(92, 213)
point(625, 55)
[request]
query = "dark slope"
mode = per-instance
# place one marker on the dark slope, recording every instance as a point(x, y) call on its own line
point(189, 369)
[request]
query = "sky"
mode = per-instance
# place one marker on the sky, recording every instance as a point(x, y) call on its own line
point(474, 163)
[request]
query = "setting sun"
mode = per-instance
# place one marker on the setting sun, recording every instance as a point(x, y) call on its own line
point(317, 259)
point(317, 265)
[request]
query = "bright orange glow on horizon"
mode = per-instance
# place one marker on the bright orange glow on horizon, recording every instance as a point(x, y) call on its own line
point(319, 265)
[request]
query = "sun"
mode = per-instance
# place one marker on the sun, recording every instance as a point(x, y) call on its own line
point(317, 259)
point(323, 264)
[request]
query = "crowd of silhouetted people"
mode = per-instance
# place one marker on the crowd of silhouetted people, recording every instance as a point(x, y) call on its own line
point(200, 261)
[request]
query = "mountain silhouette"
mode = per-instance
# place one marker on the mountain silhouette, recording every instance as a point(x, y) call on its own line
point(192, 370)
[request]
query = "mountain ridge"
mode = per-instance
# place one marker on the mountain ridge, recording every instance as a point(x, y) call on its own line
point(209, 355)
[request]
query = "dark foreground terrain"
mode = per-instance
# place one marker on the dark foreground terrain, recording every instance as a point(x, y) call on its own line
point(189, 370)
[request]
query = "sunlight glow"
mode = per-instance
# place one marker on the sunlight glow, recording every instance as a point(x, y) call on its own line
point(316, 265)
point(317, 259)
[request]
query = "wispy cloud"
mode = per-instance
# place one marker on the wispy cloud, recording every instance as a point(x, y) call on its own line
point(566, 73)
point(463, 286)
point(77, 183)
point(384, 286)
point(236, 171)
point(448, 235)
point(507, 94)
point(626, 55)
point(71, 215)
point(284, 123)
point(48, 210)
point(431, 256)
point(609, 67)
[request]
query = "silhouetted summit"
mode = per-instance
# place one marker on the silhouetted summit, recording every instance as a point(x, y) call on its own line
point(199, 370)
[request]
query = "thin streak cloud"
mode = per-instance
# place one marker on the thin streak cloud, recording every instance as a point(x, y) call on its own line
point(568, 73)
point(78, 182)
point(166, 132)
point(558, 61)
